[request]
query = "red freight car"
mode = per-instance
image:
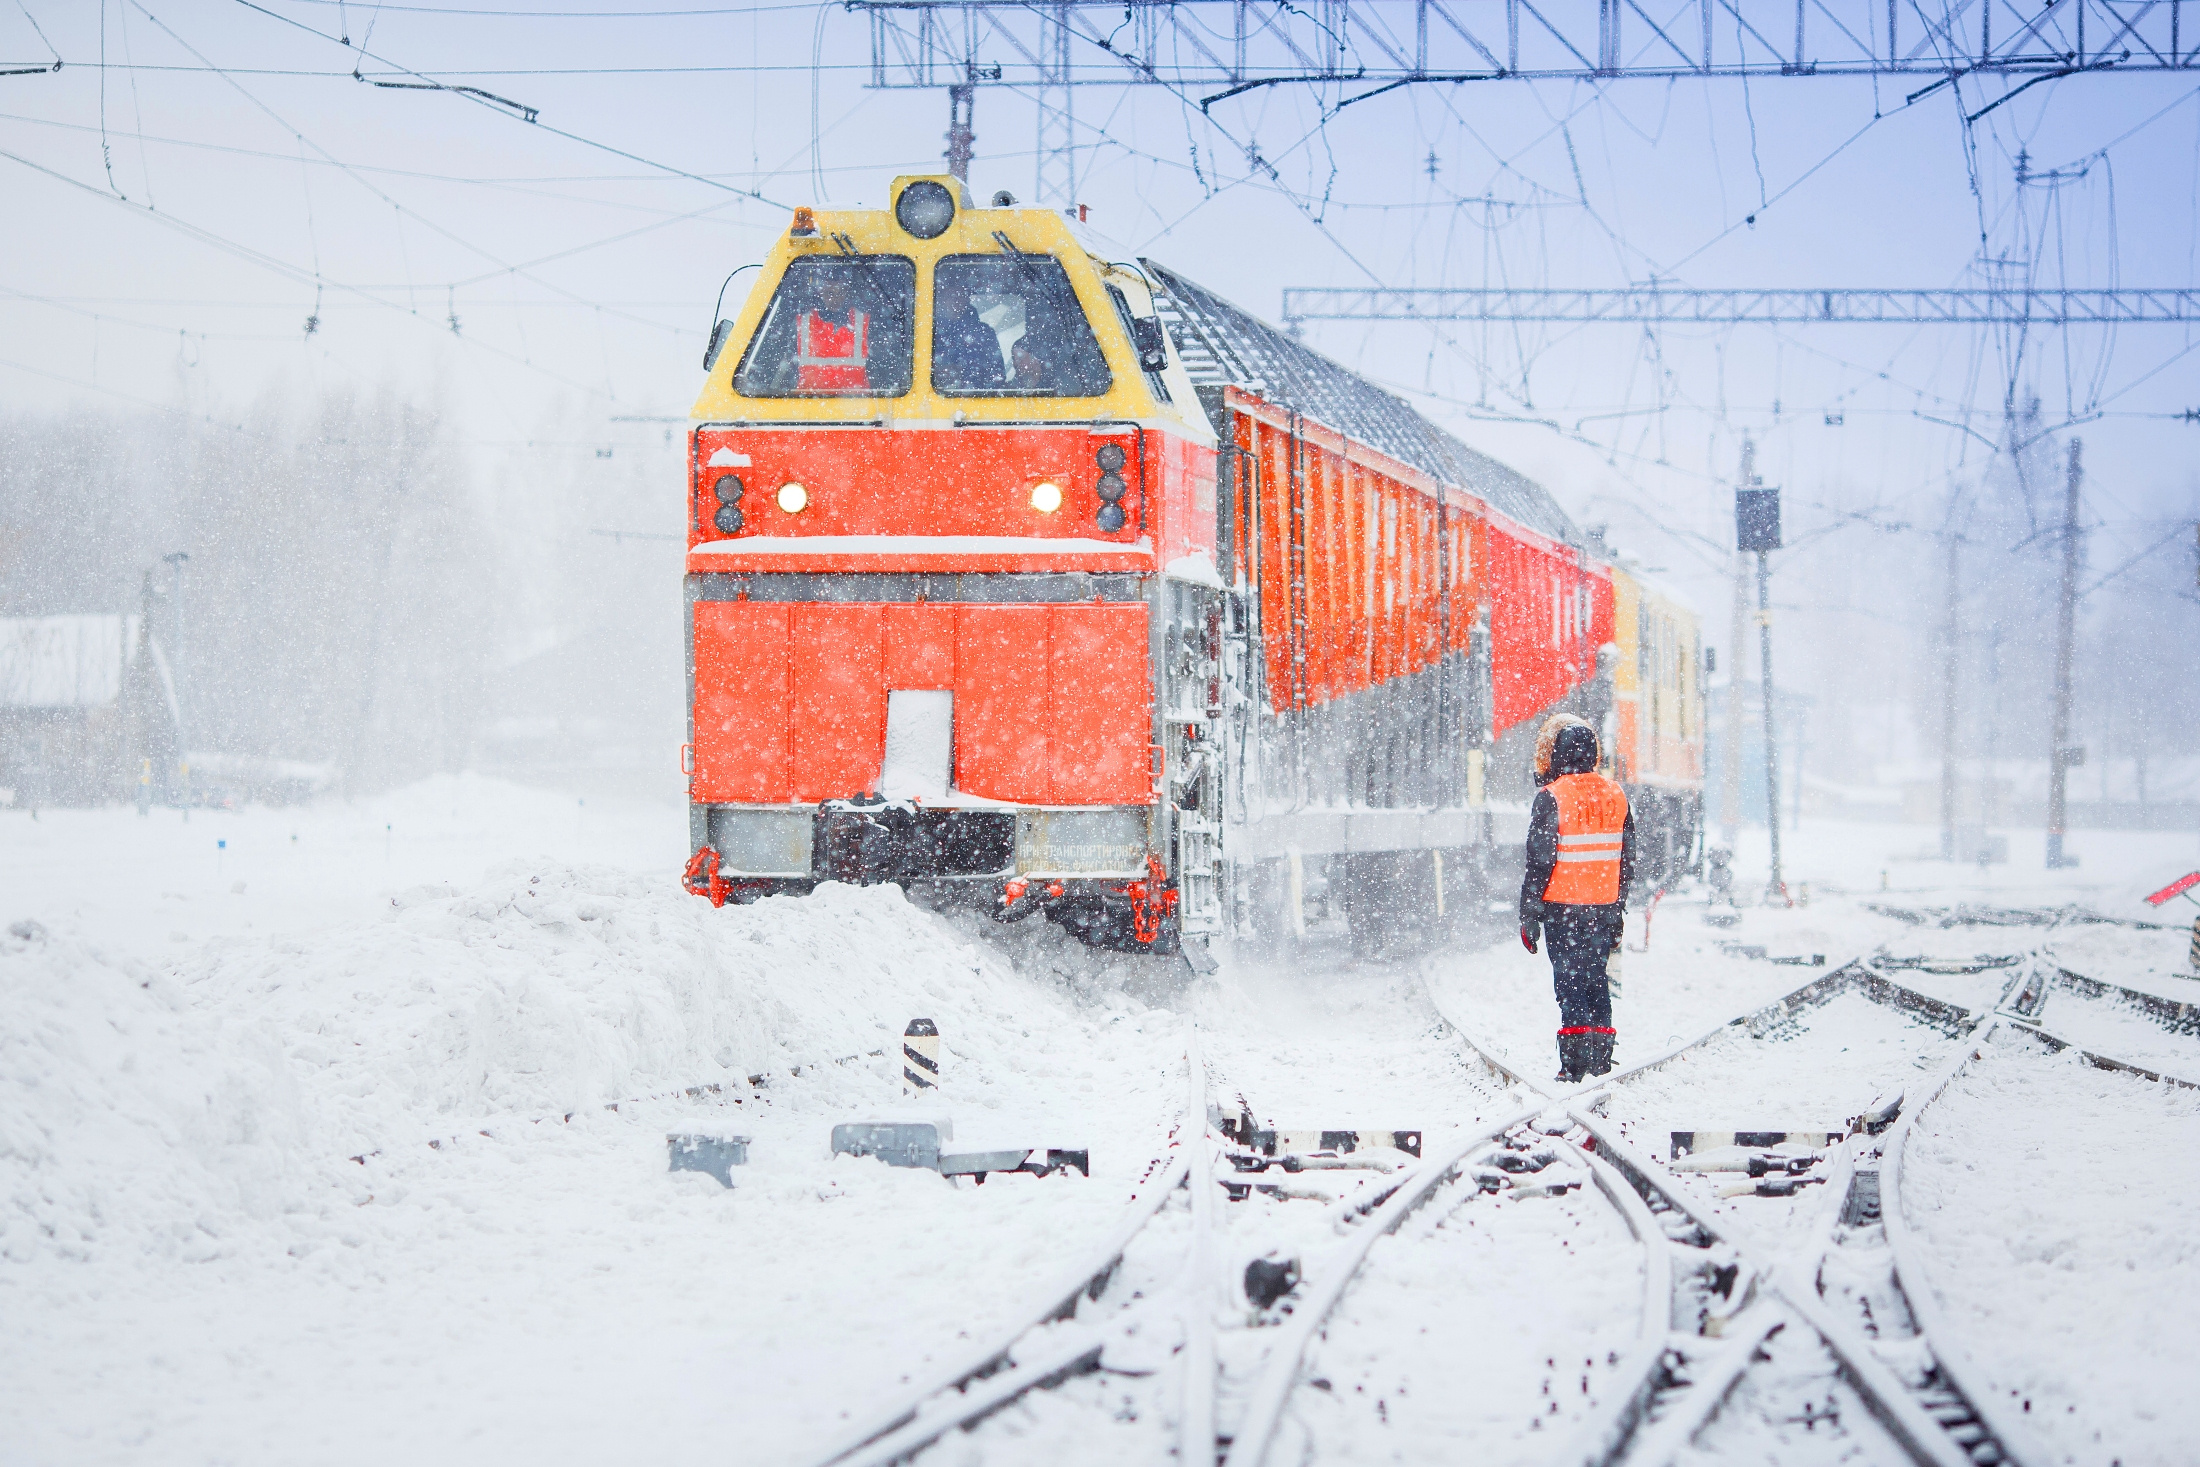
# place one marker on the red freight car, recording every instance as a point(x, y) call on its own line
point(998, 585)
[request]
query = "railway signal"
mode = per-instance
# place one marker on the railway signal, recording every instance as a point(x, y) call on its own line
point(1757, 531)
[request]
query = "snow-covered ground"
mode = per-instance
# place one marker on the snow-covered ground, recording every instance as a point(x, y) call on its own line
point(195, 1266)
point(2054, 1201)
point(308, 1149)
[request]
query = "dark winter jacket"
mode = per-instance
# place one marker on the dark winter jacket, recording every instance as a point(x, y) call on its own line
point(1576, 753)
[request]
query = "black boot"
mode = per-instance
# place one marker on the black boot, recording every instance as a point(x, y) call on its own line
point(1598, 1061)
point(1570, 1058)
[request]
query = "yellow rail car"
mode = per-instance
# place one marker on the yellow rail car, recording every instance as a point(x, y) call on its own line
point(1655, 728)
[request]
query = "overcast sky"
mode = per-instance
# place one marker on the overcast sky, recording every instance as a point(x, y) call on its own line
point(174, 217)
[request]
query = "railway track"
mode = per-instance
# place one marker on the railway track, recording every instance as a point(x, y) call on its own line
point(1857, 1284)
point(1728, 1297)
point(1156, 1329)
point(1691, 1268)
point(1713, 1301)
point(1046, 1343)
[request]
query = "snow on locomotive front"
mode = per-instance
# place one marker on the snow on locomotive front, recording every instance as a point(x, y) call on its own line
point(948, 492)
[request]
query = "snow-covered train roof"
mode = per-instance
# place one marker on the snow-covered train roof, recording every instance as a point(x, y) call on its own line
point(1224, 344)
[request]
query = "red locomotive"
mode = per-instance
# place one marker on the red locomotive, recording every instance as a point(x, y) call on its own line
point(1062, 583)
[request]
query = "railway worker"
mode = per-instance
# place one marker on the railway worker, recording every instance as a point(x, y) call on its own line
point(833, 340)
point(966, 352)
point(1581, 858)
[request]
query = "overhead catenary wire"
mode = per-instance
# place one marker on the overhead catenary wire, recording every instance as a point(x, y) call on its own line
point(377, 192)
point(272, 263)
point(573, 137)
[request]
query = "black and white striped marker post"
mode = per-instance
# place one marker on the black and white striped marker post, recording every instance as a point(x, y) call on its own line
point(2195, 954)
point(920, 1058)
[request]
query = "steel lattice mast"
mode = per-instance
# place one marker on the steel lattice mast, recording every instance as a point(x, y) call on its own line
point(1682, 305)
point(1209, 50)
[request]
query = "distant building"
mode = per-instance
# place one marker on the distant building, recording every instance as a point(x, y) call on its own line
point(85, 701)
point(1791, 722)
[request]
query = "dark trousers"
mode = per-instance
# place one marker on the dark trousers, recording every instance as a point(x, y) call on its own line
point(1581, 939)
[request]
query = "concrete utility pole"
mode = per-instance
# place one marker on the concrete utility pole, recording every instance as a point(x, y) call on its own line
point(2061, 757)
point(1777, 886)
point(176, 561)
point(1949, 633)
point(1730, 764)
point(174, 674)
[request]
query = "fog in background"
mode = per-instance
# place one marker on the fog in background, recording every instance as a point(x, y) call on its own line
point(403, 373)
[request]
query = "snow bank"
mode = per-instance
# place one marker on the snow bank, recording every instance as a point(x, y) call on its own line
point(191, 1260)
point(130, 1122)
point(174, 1106)
point(542, 990)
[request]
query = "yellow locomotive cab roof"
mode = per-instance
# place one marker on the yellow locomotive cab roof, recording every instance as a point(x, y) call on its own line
point(837, 233)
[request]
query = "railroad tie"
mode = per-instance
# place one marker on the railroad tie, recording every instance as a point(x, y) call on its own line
point(920, 1058)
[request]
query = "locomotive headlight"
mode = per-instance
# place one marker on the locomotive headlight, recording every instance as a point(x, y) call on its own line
point(1111, 488)
point(925, 209)
point(729, 488)
point(1110, 518)
point(728, 519)
point(1111, 457)
point(1046, 496)
point(793, 498)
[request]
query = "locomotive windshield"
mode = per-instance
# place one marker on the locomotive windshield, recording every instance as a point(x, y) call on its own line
point(1011, 326)
point(837, 327)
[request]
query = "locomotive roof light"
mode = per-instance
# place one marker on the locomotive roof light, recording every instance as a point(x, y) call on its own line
point(805, 222)
point(1110, 518)
point(793, 497)
point(1111, 457)
point(1111, 487)
point(925, 209)
point(1046, 496)
point(729, 488)
point(728, 519)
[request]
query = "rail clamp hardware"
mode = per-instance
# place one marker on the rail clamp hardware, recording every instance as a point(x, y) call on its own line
point(919, 1144)
point(714, 1153)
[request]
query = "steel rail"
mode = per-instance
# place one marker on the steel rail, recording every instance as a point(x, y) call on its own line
point(1646, 1368)
point(2025, 1001)
point(1921, 1437)
point(1914, 1429)
point(1954, 1361)
point(2172, 1014)
point(2021, 1004)
point(988, 1377)
point(1279, 1374)
point(1196, 1410)
point(2095, 1058)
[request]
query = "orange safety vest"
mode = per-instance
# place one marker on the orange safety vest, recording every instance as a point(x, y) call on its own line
point(831, 357)
point(1592, 820)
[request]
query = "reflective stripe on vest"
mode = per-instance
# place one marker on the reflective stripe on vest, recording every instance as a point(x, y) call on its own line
point(1592, 821)
point(830, 357)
